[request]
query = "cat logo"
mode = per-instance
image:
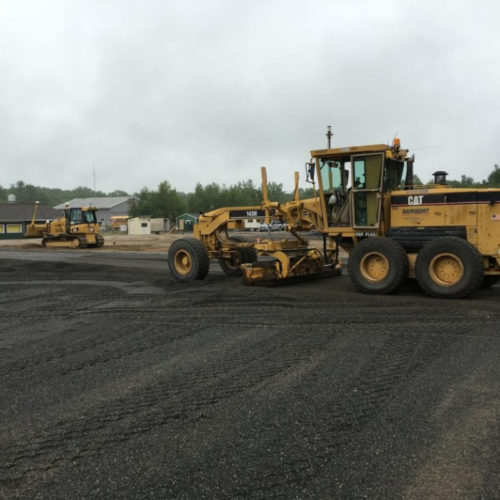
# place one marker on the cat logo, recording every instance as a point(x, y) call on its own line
point(415, 200)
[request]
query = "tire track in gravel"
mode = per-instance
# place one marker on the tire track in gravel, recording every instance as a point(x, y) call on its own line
point(188, 395)
point(364, 398)
point(194, 391)
point(125, 343)
point(185, 396)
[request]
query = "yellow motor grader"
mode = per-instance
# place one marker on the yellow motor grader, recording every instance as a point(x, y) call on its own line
point(366, 204)
point(78, 228)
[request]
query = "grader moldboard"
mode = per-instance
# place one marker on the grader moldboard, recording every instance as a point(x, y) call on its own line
point(365, 203)
point(78, 228)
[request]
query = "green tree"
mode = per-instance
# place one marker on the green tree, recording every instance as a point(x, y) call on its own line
point(416, 180)
point(275, 192)
point(466, 182)
point(165, 202)
point(118, 192)
point(306, 193)
point(493, 179)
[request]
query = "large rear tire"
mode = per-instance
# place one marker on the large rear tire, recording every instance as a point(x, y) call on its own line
point(378, 266)
point(449, 267)
point(188, 260)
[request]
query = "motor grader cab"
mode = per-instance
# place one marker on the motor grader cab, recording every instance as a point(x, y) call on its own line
point(353, 184)
point(78, 228)
point(366, 204)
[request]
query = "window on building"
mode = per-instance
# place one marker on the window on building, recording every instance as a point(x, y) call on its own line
point(14, 228)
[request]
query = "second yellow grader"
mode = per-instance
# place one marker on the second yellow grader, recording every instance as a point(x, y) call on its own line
point(366, 204)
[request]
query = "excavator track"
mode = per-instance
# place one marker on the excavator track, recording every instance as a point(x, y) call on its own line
point(63, 242)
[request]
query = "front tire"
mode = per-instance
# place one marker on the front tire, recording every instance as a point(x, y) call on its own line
point(188, 260)
point(378, 266)
point(449, 267)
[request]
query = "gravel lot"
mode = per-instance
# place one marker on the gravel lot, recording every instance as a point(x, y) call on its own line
point(118, 382)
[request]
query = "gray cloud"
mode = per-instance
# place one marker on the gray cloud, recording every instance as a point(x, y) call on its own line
point(198, 91)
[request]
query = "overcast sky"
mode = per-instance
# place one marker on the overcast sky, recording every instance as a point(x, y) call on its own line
point(209, 90)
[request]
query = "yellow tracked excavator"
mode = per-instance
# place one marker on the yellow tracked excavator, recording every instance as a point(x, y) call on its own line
point(78, 228)
point(366, 204)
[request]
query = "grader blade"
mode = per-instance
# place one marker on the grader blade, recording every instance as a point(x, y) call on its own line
point(265, 274)
point(286, 261)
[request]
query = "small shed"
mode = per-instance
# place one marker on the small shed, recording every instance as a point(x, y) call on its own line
point(146, 225)
point(186, 222)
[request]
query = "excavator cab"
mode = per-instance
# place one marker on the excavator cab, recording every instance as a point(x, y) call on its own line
point(352, 184)
point(76, 216)
point(81, 215)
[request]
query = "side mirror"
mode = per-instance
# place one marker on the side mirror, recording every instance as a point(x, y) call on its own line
point(346, 177)
point(310, 168)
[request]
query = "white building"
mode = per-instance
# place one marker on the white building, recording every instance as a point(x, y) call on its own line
point(147, 225)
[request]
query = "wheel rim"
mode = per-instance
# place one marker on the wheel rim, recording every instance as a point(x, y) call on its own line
point(374, 266)
point(446, 269)
point(183, 262)
point(233, 263)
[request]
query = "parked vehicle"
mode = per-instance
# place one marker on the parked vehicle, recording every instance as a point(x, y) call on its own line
point(274, 225)
point(252, 224)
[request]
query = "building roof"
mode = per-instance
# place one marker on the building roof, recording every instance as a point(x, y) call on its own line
point(193, 216)
point(143, 217)
point(17, 212)
point(97, 202)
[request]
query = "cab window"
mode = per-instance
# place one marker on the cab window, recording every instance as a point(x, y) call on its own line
point(367, 172)
point(76, 216)
point(89, 217)
point(330, 174)
point(395, 175)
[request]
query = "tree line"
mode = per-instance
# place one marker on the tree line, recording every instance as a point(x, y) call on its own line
point(28, 193)
point(167, 202)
